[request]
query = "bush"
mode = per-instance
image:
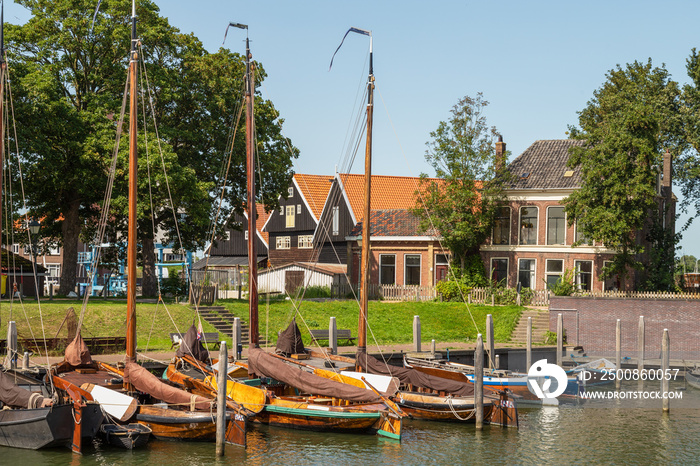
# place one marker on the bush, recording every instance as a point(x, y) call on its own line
point(450, 290)
point(565, 285)
point(175, 284)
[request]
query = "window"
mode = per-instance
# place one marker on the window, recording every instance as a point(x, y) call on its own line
point(306, 241)
point(298, 209)
point(387, 269)
point(412, 269)
point(526, 273)
point(15, 248)
point(246, 235)
point(54, 273)
point(528, 225)
point(501, 226)
point(336, 220)
point(556, 225)
point(499, 270)
point(281, 210)
point(284, 242)
point(554, 271)
point(227, 235)
point(290, 192)
point(580, 237)
point(289, 218)
point(584, 274)
point(54, 251)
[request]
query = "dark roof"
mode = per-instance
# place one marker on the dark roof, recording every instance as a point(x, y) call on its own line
point(393, 222)
point(543, 166)
point(223, 261)
point(326, 269)
point(17, 262)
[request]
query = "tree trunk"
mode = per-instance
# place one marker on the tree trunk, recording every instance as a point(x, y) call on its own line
point(149, 282)
point(70, 230)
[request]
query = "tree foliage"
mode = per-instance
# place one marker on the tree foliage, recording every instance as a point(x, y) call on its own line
point(68, 82)
point(460, 204)
point(688, 164)
point(632, 119)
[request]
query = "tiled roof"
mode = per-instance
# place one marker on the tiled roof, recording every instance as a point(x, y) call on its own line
point(543, 166)
point(260, 221)
point(394, 222)
point(388, 192)
point(315, 189)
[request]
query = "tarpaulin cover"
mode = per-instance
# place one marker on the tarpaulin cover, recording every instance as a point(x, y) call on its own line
point(17, 397)
point(289, 340)
point(193, 346)
point(146, 382)
point(77, 353)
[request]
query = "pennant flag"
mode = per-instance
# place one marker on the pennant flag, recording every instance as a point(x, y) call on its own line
point(357, 30)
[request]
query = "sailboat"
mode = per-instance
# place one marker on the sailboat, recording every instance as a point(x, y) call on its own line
point(324, 405)
point(169, 412)
point(29, 419)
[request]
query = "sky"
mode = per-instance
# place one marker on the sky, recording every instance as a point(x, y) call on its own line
point(536, 62)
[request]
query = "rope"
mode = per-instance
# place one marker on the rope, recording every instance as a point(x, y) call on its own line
point(471, 415)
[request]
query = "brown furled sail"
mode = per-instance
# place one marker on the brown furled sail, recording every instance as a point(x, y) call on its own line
point(146, 382)
point(77, 352)
point(191, 345)
point(414, 377)
point(289, 340)
point(17, 397)
point(262, 364)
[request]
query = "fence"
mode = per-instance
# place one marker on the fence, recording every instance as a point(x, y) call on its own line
point(509, 296)
point(386, 292)
point(640, 295)
point(202, 295)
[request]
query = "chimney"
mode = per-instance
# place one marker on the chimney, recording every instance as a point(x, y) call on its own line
point(666, 182)
point(500, 154)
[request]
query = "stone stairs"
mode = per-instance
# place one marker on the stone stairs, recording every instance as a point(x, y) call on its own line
point(540, 326)
point(222, 321)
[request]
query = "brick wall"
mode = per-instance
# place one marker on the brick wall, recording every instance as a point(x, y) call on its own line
point(591, 322)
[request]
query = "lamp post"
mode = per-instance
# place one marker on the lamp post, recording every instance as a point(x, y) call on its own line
point(34, 228)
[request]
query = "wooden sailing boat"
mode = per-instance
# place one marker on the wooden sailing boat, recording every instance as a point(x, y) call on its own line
point(329, 406)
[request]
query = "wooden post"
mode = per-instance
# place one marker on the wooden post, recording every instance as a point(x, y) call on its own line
point(240, 285)
point(416, 333)
point(479, 382)
point(560, 339)
point(618, 352)
point(221, 400)
point(489, 339)
point(528, 351)
point(333, 336)
point(236, 338)
point(497, 364)
point(640, 344)
point(12, 344)
point(432, 347)
point(493, 300)
point(665, 366)
point(25, 361)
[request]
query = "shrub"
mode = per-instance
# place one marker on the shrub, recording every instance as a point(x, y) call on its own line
point(175, 284)
point(565, 285)
point(450, 290)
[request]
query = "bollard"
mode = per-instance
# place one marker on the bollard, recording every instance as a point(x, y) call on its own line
point(221, 400)
point(333, 336)
point(528, 351)
point(497, 364)
point(479, 382)
point(416, 333)
point(236, 339)
point(432, 347)
point(25, 361)
point(489, 339)
point(665, 366)
point(493, 300)
point(11, 360)
point(640, 345)
point(618, 352)
point(560, 339)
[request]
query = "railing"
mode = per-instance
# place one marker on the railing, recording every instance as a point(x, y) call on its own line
point(386, 292)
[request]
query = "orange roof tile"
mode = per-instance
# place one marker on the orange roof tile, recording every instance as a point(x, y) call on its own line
point(260, 222)
point(315, 190)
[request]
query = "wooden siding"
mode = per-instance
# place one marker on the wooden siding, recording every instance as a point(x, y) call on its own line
point(303, 221)
point(236, 245)
point(279, 257)
point(345, 224)
point(273, 280)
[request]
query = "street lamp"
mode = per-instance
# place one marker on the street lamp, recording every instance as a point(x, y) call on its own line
point(34, 228)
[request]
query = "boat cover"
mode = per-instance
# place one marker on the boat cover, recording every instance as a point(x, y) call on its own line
point(17, 397)
point(77, 352)
point(263, 364)
point(414, 377)
point(289, 340)
point(146, 382)
point(191, 344)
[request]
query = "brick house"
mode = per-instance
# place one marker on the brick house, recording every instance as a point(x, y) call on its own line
point(531, 241)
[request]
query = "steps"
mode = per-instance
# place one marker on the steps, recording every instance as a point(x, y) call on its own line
point(540, 326)
point(222, 321)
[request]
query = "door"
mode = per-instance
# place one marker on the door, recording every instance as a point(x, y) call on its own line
point(293, 279)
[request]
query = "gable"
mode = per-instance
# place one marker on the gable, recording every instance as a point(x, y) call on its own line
point(543, 165)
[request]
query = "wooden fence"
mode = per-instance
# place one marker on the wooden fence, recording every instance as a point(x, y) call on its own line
point(202, 295)
point(386, 292)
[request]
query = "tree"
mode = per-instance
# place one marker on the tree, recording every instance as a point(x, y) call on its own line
point(460, 204)
point(627, 126)
point(68, 85)
point(688, 164)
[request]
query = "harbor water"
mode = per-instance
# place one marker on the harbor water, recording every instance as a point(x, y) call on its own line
point(591, 432)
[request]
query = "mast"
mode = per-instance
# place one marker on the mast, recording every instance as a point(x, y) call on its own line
point(3, 67)
point(250, 173)
point(133, 164)
point(365, 257)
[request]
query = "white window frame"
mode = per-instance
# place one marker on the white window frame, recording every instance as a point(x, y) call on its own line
point(246, 235)
point(335, 216)
point(54, 251)
point(547, 273)
point(576, 236)
point(507, 267)
point(298, 209)
point(227, 235)
point(281, 210)
point(283, 242)
point(290, 191)
point(547, 226)
point(305, 241)
point(380, 268)
point(520, 222)
point(533, 272)
point(577, 273)
point(420, 268)
point(510, 224)
point(15, 248)
point(290, 217)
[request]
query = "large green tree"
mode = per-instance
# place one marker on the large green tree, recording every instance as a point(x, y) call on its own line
point(460, 205)
point(632, 119)
point(688, 164)
point(69, 77)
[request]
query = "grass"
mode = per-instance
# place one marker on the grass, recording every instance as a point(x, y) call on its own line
point(389, 322)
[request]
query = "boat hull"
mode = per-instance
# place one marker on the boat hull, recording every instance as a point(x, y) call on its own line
point(693, 379)
point(456, 409)
point(128, 436)
point(172, 424)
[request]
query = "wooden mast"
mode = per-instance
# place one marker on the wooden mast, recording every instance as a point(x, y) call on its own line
point(250, 204)
point(133, 164)
point(365, 257)
point(3, 67)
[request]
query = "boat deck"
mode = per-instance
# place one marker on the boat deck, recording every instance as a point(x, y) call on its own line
point(100, 377)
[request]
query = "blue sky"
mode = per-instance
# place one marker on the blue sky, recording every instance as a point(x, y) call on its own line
point(536, 62)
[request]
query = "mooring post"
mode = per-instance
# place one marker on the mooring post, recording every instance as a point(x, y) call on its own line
point(618, 352)
point(489, 339)
point(640, 345)
point(12, 344)
point(221, 400)
point(333, 336)
point(493, 300)
point(25, 361)
point(416, 333)
point(432, 347)
point(236, 343)
point(497, 363)
point(665, 369)
point(479, 381)
point(560, 339)
point(528, 351)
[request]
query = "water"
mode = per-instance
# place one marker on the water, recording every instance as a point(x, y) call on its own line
point(588, 433)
